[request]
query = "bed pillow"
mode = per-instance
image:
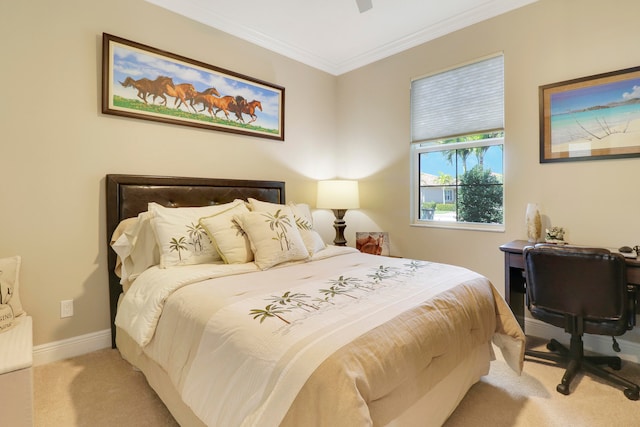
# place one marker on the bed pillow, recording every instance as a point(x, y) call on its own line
point(303, 219)
point(134, 242)
point(181, 238)
point(10, 284)
point(229, 239)
point(274, 237)
point(120, 243)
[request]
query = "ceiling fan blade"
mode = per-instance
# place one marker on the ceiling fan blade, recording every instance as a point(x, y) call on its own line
point(364, 5)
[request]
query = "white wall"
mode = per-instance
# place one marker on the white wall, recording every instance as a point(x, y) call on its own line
point(546, 42)
point(57, 146)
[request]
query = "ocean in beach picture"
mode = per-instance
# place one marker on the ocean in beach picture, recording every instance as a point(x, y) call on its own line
point(592, 124)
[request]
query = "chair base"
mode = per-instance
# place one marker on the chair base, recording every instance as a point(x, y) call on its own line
point(575, 361)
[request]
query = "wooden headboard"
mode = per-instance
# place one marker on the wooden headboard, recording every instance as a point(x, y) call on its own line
point(129, 195)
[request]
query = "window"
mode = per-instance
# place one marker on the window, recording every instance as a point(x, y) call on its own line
point(457, 147)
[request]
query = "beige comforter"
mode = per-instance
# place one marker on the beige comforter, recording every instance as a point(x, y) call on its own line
point(386, 368)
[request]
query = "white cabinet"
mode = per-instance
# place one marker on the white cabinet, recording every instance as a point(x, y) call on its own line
point(16, 374)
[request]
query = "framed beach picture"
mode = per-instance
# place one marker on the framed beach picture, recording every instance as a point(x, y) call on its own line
point(373, 242)
point(147, 83)
point(591, 118)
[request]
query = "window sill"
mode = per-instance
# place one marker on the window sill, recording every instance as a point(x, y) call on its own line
point(496, 228)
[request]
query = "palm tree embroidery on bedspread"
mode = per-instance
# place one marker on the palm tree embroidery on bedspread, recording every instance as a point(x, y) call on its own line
point(340, 292)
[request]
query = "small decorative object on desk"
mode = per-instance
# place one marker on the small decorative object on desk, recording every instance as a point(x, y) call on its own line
point(555, 235)
point(533, 222)
point(376, 242)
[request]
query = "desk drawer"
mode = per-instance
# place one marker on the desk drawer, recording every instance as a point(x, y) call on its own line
point(633, 275)
point(515, 260)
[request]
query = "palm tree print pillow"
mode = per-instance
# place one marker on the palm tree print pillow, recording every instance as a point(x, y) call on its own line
point(302, 216)
point(227, 236)
point(274, 237)
point(181, 238)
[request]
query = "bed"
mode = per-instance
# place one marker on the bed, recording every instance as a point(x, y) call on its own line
point(300, 334)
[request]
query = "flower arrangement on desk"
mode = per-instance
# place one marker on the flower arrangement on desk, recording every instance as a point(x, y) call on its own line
point(555, 235)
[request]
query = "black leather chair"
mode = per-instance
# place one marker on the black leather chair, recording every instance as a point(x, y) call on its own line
point(583, 290)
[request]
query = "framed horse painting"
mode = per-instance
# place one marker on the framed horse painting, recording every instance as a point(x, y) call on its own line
point(143, 82)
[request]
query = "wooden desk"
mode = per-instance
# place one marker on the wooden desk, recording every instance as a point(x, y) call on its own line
point(514, 286)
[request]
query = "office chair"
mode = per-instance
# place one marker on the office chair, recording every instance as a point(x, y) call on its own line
point(583, 290)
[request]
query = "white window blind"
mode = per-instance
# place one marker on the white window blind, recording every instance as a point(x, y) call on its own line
point(464, 100)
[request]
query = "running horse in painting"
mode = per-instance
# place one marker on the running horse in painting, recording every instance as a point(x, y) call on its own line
point(242, 106)
point(250, 109)
point(182, 93)
point(211, 102)
point(146, 87)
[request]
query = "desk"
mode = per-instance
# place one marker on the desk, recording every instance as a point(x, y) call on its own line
point(514, 286)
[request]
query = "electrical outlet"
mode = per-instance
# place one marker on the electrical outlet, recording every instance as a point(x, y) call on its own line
point(66, 308)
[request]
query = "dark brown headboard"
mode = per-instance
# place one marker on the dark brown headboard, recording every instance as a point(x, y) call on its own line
point(128, 195)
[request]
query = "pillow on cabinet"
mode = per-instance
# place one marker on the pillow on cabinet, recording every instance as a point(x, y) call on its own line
point(10, 284)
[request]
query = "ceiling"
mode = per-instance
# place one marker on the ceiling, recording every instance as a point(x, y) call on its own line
point(332, 35)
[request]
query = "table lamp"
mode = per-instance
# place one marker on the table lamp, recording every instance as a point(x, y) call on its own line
point(338, 195)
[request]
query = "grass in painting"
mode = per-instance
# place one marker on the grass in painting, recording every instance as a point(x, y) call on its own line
point(133, 104)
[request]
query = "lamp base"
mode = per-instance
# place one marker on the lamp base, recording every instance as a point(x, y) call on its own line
point(339, 226)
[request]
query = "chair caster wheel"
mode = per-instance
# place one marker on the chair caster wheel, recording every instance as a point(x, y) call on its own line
point(551, 346)
point(632, 394)
point(564, 389)
point(616, 365)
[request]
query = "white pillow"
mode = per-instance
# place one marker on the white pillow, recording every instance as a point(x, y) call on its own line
point(136, 247)
point(303, 219)
point(227, 236)
point(180, 237)
point(274, 237)
point(10, 284)
point(120, 243)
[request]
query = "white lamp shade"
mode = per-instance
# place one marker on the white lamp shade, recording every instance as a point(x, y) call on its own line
point(338, 194)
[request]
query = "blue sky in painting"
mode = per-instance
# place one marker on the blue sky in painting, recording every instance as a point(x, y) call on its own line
point(138, 64)
point(579, 99)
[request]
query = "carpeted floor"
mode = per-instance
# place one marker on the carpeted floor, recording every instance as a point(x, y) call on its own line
point(101, 389)
point(503, 398)
point(98, 389)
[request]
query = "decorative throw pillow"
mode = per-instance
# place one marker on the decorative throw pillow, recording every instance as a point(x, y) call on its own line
point(10, 285)
point(181, 238)
point(303, 218)
point(6, 317)
point(304, 221)
point(274, 237)
point(227, 236)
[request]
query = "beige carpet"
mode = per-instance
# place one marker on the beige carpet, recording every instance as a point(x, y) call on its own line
point(101, 389)
point(98, 389)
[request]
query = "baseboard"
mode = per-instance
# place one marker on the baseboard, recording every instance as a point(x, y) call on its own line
point(76, 346)
point(629, 351)
point(71, 347)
